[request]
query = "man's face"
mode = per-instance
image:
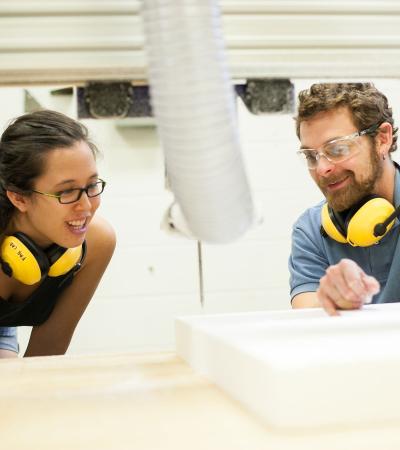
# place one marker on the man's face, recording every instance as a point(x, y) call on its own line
point(345, 183)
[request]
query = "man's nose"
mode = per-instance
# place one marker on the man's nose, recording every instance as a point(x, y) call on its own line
point(324, 166)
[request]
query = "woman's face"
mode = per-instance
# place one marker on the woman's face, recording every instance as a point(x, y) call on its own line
point(46, 220)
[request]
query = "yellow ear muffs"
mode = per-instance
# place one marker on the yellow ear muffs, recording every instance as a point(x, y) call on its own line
point(22, 259)
point(362, 222)
point(358, 225)
point(68, 259)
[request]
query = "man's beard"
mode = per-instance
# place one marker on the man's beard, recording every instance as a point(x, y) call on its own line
point(355, 190)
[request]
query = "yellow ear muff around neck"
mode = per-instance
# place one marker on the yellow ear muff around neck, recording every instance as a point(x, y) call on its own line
point(358, 225)
point(361, 225)
point(28, 263)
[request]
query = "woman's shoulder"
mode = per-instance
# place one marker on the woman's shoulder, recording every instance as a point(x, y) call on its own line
point(100, 234)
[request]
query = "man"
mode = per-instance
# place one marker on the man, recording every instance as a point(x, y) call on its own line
point(347, 135)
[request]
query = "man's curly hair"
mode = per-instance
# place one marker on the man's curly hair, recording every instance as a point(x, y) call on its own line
point(367, 105)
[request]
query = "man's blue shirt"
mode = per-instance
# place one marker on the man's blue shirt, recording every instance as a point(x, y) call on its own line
point(312, 254)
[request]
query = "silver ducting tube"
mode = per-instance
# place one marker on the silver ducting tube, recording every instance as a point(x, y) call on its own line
point(194, 106)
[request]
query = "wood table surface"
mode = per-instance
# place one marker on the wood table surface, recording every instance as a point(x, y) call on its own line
point(143, 401)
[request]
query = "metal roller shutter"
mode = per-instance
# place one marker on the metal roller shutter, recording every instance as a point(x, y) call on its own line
point(71, 42)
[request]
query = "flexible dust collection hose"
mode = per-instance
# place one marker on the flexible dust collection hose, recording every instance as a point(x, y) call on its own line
point(194, 106)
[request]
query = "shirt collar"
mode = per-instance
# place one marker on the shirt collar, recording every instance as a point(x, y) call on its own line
point(396, 197)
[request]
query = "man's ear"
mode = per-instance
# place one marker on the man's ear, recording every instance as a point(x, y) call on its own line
point(18, 200)
point(384, 138)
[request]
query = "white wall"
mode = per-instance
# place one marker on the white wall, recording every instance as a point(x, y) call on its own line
point(154, 277)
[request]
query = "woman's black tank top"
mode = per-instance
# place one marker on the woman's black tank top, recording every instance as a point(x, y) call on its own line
point(37, 308)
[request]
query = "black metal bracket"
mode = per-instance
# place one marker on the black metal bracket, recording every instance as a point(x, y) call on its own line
point(267, 95)
point(102, 100)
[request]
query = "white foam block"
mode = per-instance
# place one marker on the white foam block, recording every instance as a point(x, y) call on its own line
point(302, 368)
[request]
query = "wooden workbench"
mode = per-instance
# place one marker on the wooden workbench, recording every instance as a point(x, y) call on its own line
point(141, 401)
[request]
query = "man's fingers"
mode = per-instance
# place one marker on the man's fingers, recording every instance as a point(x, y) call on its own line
point(362, 285)
point(328, 305)
point(343, 285)
point(371, 284)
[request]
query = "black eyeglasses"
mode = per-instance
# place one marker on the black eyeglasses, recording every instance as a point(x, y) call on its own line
point(73, 195)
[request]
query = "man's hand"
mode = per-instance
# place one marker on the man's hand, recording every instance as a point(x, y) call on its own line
point(345, 286)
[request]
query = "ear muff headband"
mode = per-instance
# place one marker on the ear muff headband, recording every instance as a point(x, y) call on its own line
point(360, 222)
point(22, 259)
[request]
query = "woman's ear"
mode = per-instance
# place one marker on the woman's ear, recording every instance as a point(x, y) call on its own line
point(18, 200)
point(384, 139)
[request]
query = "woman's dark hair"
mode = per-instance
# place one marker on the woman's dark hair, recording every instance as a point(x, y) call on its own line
point(23, 147)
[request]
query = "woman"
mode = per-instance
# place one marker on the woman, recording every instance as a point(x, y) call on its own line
point(53, 250)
